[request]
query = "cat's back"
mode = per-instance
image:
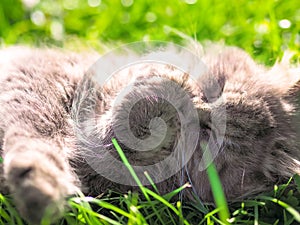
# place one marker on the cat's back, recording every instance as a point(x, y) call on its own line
point(37, 79)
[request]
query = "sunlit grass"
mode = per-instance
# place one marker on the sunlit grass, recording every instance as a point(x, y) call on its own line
point(264, 29)
point(281, 206)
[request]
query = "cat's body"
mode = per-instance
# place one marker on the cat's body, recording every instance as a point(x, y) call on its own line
point(45, 160)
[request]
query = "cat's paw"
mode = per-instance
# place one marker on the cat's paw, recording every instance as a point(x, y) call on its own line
point(39, 180)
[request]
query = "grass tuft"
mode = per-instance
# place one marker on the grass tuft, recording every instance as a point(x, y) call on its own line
point(280, 206)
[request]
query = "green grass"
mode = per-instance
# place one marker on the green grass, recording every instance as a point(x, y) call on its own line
point(216, 185)
point(265, 29)
point(281, 206)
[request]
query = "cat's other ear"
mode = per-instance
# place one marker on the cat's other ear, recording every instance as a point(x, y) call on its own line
point(285, 77)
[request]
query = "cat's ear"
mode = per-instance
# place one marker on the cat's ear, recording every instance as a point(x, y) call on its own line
point(285, 77)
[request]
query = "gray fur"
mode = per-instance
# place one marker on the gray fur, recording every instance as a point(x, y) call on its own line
point(45, 160)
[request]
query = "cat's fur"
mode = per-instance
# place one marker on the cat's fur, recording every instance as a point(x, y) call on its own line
point(45, 160)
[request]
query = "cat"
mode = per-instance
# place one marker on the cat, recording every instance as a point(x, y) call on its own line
point(57, 124)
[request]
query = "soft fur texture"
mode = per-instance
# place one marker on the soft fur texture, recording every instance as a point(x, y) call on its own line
point(42, 119)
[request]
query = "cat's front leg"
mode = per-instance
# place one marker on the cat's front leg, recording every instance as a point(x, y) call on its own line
point(38, 175)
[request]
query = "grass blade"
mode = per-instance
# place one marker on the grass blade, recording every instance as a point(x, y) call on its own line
point(216, 185)
point(287, 207)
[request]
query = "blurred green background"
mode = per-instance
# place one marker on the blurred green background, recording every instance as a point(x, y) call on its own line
point(263, 28)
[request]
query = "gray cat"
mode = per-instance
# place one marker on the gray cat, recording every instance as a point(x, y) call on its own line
point(57, 124)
